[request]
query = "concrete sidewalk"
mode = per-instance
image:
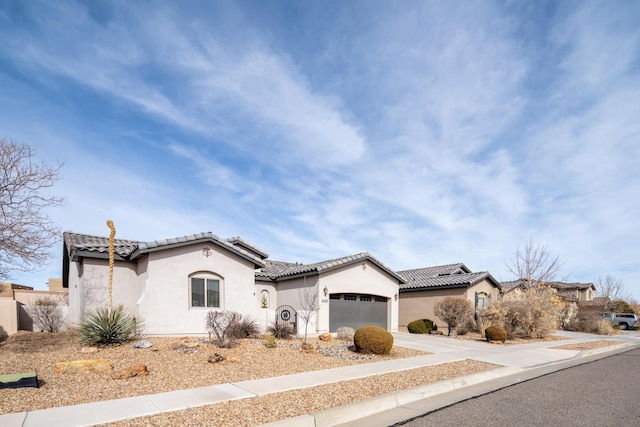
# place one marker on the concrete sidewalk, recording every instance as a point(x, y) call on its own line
point(515, 359)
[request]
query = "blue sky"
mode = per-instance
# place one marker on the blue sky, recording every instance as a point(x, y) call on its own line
point(423, 132)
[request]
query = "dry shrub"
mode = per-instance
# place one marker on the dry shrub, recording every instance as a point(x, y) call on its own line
point(345, 333)
point(534, 313)
point(453, 311)
point(47, 314)
point(223, 325)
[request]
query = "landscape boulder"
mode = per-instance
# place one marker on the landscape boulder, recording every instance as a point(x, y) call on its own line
point(142, 344)
point(325, 337)
point(83, 366)
point(134, 371)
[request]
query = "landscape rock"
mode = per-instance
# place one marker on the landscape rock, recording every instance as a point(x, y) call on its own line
point(83, 366)
point(325, 337)
point(142, 344)
point(216, 358)
point(89, 350)
point(437, 333)
point(134, 371)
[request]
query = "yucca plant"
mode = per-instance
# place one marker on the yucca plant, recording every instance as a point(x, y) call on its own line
point(107, 326)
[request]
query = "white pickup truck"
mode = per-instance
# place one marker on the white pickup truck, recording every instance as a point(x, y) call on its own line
point(623, 320)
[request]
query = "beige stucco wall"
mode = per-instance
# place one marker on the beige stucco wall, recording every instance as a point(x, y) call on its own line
point(164, 303)
point(419, 304)
point(354, 278)
point(8, 317)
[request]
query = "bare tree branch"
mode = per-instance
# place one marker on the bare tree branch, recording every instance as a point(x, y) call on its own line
point(534, 265)
point(609, 292)
point(25, 230)
point(309, 304)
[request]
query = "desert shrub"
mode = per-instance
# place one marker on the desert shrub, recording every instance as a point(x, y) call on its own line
point(533, 313)
point(107, 326)
point(453, 310)
point(421, 326)
point(417, 327)
point(345, 333)
point(466, 326)
point(244, 328)
point(47, 314)
point(604, 327)
point(373, 339)
point(270, 342)
point(482, 324)
point(281, 330)
point(495, 333)
point(568, 316)
point(223, 325)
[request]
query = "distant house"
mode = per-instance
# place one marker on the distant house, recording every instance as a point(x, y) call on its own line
point(424, 287)
point(568, 291)
point(171, 284)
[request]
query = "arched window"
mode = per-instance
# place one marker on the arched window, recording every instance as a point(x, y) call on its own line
point(205, 290)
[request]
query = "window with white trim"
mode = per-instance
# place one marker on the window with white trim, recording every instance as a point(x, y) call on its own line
point(204, 291)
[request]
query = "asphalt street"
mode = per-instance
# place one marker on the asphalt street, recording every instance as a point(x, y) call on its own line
point(604, 392)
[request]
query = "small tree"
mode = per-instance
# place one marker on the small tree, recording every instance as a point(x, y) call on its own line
point(309, 305)
point(534, 265)
point(610, 291)
point(47, 314)
point(25, 230)
point(453, 310)
point(222, 324)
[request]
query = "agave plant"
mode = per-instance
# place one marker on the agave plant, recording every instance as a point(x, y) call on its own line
point(107, 326)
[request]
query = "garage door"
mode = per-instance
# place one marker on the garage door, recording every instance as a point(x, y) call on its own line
point(356, 310)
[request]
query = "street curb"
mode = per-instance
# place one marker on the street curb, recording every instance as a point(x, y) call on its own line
point(342, 415)
point(354, 411)
point(591, 352)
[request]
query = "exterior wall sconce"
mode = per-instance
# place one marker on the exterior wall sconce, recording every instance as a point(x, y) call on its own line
point(326, 291)
point(206, 252)
point(395, 297)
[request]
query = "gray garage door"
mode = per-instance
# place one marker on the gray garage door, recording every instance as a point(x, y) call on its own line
point(357, 310)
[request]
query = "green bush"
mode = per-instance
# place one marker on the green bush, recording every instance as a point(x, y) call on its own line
point(495, 333)
point(104, 326)
point(422, 326)
point(373, 339)
point(281, 330)
point(270, 342)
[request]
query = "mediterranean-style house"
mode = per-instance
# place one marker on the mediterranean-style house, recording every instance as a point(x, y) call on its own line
point(171, 284)
point(568, 291)
point(424, 287)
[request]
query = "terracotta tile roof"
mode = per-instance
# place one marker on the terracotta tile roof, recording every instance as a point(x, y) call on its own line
point(85, 242)
point(130, 249)
point(275, 270)
point(560, 286)
point(443, 276)
point(237, 241)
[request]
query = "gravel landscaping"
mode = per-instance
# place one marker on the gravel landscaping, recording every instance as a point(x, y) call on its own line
point(589, 345)
point(176, 363)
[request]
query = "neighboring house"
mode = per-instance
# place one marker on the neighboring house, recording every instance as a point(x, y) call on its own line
point(572, 291)
point(424, 287)
point(171, 284)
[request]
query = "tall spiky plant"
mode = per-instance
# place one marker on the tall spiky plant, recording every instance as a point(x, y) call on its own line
point(112, 236)
point(107, 326)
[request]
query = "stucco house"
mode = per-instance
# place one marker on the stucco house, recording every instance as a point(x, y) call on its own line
point(171, 284)
point(424, 287)
point(568, 291)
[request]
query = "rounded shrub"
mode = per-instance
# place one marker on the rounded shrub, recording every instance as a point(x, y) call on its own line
point(495, 333)
point(421, 326)
point(372, 339)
